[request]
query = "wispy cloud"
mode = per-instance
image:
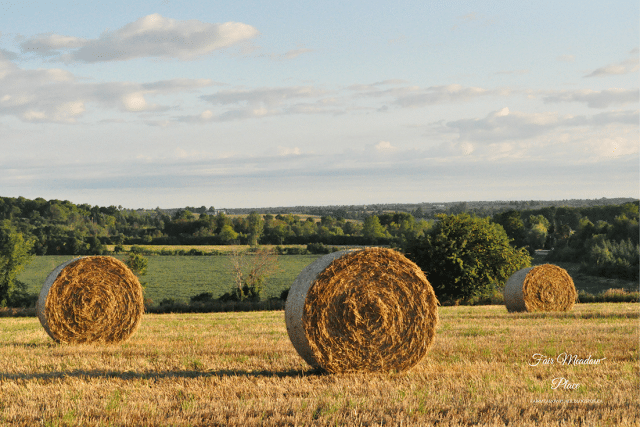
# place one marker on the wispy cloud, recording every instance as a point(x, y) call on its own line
point(150, 36)
point(595, 98)
point(566, 58)
point(294, 53)
point(265, 96)
point(444, 94)
point(627, 66)
point(469, 18)
point(56, 95)
point(513, 72)
point(416, 96)
point(504, 125)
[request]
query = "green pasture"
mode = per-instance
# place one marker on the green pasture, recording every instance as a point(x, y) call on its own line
point(181, 277)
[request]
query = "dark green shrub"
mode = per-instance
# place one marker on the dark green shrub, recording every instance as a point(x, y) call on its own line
point(465, 256)
point(202, 298)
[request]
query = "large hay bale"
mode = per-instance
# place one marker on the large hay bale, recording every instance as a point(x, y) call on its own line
point(544, 287)
point(91, 299)
point(368, 310)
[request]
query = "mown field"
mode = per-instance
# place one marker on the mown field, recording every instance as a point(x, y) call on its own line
point(181, 277)
point(240, 369)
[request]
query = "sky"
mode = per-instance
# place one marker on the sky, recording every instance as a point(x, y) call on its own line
point(284, 103)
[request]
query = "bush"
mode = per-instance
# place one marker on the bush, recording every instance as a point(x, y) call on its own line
point(203, 297)
point(168, 302)
point(295, 251)
point(465, 257)
point(613, 259)
point(19, 297)
point(318, 248)
point(610, 295)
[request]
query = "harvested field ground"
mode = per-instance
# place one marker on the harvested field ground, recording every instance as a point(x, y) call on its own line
point(241, 369)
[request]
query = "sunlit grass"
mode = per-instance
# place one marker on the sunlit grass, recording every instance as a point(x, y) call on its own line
point(241, 369)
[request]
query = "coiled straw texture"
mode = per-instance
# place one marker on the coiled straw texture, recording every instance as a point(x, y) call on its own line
point(91, 299)
point(370, 310)
point(544, 287)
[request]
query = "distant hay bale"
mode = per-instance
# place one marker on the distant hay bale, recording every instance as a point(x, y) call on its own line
point(369, 310)
point(544, 287)
point(91, 299)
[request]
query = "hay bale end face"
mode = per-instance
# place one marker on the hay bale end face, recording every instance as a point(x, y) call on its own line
point(544, 287)
point(91, 299)
point(370, 310)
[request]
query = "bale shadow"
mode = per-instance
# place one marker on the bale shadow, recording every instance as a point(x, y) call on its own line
point(130, 375)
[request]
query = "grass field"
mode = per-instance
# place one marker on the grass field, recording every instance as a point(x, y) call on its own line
point(181, 277)
point(240, 369)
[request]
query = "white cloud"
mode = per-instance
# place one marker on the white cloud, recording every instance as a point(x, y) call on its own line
point(416, 96)
point(595, 99)
point(373, 87)
point(566, 58)
point(239, 104)
point(206, 115)
point(6, 54)
point(384, 147)
point(288, 151)
point(296, 52)
point(55, 95)
point(444, 94)
point(264, 96)
point(504, 125)
point(150, 36)
point(628, 66)
point(51, 44)
point(134, 102)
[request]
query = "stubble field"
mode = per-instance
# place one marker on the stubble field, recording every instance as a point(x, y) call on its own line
point(241, 369)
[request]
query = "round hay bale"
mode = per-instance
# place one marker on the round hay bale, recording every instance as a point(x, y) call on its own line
point(90, 299)
point(544, 287)
point(370, 310)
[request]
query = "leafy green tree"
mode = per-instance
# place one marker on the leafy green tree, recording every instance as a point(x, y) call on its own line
point(465, 256)
point(537, 236)
point(184, 214)
point(372, 228)
point(138, 264)
point(255, 227)
point(512, 223)
point(228, 234)
point(14, 256)
point(95, 246)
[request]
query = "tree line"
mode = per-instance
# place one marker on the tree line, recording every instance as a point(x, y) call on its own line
point(604, 239)
point(61, 227)
point(466, 255)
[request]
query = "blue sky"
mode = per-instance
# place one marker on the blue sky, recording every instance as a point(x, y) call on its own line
point(253, 104)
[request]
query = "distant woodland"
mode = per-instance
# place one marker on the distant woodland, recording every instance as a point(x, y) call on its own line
point(603, 233)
